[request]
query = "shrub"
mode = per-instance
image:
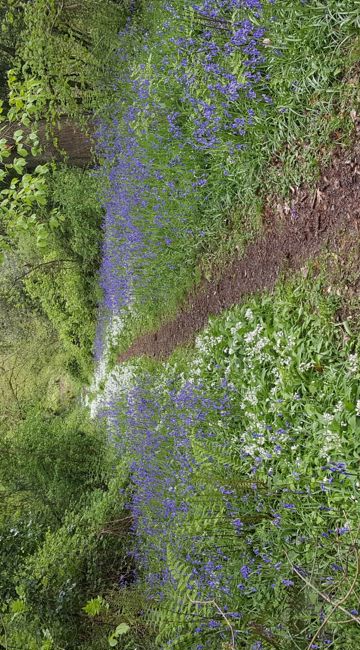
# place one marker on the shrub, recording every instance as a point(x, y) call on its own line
point(87, 554)
point(50, 462)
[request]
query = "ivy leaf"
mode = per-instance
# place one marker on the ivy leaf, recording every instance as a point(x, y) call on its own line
point(40, 198)
point(121, 629)
point(41, 169)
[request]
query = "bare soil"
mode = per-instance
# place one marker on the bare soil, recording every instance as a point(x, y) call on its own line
point(293, 233)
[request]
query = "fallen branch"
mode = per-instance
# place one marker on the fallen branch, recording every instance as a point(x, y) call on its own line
point(338, 605)
point(214, 603)
point(35, 268)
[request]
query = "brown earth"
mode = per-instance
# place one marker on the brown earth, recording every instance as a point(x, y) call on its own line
point(292, 233)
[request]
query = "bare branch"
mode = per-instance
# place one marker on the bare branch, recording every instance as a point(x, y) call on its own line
point(338, 605)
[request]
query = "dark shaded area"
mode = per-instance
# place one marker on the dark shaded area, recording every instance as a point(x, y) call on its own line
point(292, 233)
point(72, 142)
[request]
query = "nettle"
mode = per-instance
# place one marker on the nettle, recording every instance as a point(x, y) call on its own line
point(23, 194)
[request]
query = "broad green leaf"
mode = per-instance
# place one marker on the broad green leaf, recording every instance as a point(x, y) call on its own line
point(123, 628)
point(19, 164)
point(41, 169)
point(53, 222)
point(21, 151)
point(18, 135)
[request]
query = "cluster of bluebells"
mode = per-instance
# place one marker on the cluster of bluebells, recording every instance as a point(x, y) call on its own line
point(200, 93)
point(155, 431)
point(224, 57)
point(161, 425)
point(191, 510)
point(237, 412)
point(225, 481)
point(139, 224)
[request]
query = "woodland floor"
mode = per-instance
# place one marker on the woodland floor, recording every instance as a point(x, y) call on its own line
point(324, 218)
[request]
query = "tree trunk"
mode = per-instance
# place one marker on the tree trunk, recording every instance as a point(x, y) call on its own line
point(76, 145)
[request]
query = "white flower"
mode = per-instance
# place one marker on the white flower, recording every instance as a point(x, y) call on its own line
point(250, 336)
point(251, 396)
point(353, 363)
point(249, 315)
point(234, 330)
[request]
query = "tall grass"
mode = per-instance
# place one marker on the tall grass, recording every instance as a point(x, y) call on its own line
point(245, 478)
point(220, 104)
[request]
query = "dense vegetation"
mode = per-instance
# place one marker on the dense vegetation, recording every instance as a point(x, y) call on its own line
point(245, 466)
point(209, 501)
point(221, 106)
point(60, 538)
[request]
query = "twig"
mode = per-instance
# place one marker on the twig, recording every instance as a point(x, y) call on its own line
point(34, 268)
point(214, 603)
point(356, 619)
point(336, 605)
point(214, 19)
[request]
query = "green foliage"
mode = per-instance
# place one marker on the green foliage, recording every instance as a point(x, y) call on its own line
point(64, 535)
point(124, 606)
point(51, 461)
point(11, 26)
point(64, 293)
point(77, 560)
point(32, 367)
point(121, 629)
point(271, 495)
point(55, 256)
point(75, 194)
point(64, 279)
point(310, 53)
point(95, 606)
point(68, 47)
point(61, 259)
point(22, 194)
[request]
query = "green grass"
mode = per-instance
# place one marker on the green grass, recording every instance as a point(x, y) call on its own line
point(241, 436)
point(311, 51)
point(292, 379)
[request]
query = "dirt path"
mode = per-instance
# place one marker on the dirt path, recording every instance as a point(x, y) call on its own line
point(292, 234)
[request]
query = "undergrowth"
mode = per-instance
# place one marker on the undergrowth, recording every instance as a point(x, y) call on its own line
point(219, 106)
point(245, 476)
